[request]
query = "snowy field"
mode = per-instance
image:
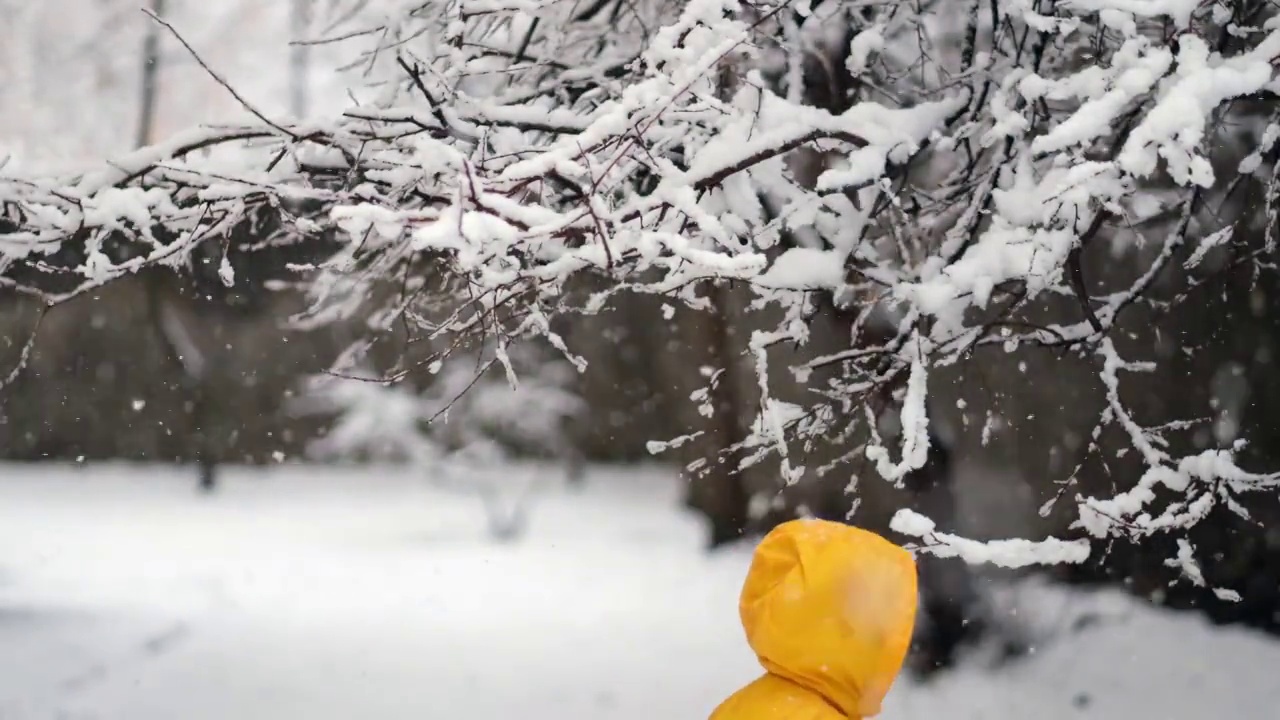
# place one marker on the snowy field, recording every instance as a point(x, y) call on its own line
point(304, 593)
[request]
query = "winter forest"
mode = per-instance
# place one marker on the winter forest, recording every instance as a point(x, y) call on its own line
point(416, 358)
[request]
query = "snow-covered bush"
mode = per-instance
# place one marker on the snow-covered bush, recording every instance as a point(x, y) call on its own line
point(969, 153)
point(462, 429)
point(371, 420)
point(468, 406)
point(482, 410)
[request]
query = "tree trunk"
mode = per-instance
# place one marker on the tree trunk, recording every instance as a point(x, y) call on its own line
point(718, 490)
point(150, 79)
point(299, 58)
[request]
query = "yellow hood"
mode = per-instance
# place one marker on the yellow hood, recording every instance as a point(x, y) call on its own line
point(831, 608)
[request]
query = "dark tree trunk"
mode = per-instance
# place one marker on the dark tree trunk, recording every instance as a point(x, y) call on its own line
point(208, 475)
point(717, 490)
point(192, 367)
point(951, 605)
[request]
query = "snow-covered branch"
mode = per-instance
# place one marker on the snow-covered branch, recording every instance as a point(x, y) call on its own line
point(1014, 553)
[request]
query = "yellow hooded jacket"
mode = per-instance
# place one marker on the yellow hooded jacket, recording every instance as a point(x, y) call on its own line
point(829, 610)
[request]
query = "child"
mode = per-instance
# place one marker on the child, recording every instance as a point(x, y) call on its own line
point(829, 610)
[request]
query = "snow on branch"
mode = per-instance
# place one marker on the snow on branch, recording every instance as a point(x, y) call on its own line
point(1005, 553)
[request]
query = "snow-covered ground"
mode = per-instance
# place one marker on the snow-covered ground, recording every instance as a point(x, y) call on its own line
point(318, 594)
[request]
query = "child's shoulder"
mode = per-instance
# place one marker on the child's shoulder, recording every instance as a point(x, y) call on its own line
point(774, 698)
